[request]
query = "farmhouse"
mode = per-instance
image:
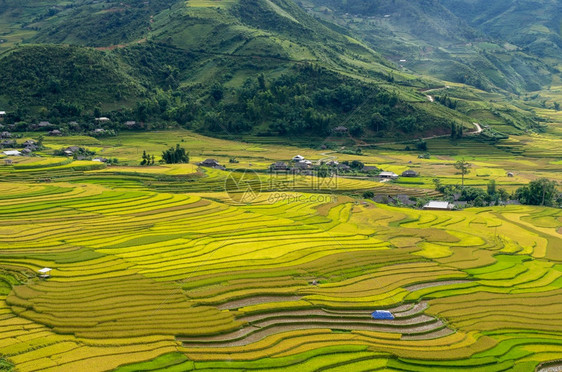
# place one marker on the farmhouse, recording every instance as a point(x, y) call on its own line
point(388, 175)
point(8, 143)
point(343, 168)
point(410, 173)
point(8, 161)
point(102, 119)
point(369, 168)
point(279, 167)
point(302, 168)
point(12, 153)
point(404, 199)
point(438, 206)
point(298, 158)
point(55, 132)
point(5, 135)
point(26, 151)
point(211, 163)
point(509, 174)
point(69, 151)
point(44, 124)
point(2, 113)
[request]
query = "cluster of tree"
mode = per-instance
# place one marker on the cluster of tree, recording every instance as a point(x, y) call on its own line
point(102, 133)
point(175, 155)
point(446, 101)
point(147, 159)
point(540, 192)
point(475, 196)
point(354, 164)
point(456, 131)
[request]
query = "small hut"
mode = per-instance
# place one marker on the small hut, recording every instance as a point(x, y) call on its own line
point(45, 272)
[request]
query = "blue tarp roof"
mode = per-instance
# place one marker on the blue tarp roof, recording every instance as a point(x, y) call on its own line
point(382, 314)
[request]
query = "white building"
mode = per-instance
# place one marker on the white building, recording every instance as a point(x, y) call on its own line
point(390, 175)
point(438, 205)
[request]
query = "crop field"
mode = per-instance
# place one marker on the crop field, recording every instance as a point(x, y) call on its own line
point(158, 268)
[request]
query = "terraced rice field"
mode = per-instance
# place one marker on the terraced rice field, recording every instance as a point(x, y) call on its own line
point(145, 279)
point(158, 268)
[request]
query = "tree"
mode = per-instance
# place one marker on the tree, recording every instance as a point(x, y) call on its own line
point(421, 145)
point(145, 158)
point(538, 192)
point(368, 195)
point(492, 187)
point(175, 155)
point(464, 167)
point(357, 165)
point(323, 171)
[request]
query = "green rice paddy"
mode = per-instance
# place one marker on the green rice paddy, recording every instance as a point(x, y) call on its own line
point(156, 268)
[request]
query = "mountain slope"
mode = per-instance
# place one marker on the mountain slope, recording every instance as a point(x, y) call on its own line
point(226, 67)
point(426, 37)
point(533, 25)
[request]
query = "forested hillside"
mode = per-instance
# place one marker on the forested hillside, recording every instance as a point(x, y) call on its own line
point(258, 67)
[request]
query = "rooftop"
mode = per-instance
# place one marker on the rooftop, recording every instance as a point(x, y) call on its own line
point(437, 205)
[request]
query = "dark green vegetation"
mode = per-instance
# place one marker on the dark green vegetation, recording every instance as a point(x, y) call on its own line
point(174, 155)
point(540, 192)
point(67, 81)
point(261, 67)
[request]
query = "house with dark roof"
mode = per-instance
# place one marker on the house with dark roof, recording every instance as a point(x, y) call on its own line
point(211, 163)
point(279, 167)
point(410, 173)
point(8, 143)
point(343, 168)
point(369, 168)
